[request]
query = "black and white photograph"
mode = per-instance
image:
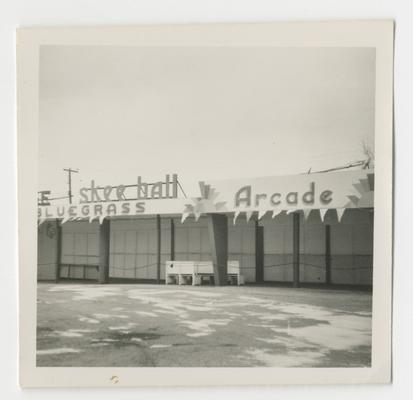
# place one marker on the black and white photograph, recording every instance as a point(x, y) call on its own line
point(206, 206)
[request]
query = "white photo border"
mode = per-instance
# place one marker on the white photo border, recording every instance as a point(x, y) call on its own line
point(378, 34)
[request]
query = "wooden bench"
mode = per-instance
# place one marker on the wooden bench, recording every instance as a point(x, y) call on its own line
point(192, 272)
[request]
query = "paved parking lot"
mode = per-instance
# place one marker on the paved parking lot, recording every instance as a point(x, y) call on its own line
point(86, 325)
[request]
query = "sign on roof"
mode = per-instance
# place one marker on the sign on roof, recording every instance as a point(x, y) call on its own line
point(276, 194)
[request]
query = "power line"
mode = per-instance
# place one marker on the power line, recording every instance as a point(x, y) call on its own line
point(179, 184)
point(58, 198)
point(362, 163)
point(69, 172)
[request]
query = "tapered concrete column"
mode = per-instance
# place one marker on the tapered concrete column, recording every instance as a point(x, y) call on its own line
point(296, 249)
point(104, 247)
point(259, 253)
point(218, 236)
point(58, 249)
point(172, 240)
point(328, 255)
point(158, 248)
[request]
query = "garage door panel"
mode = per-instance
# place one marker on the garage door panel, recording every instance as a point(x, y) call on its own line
point(248, 267)
point(363, 239)
point(130, 261)
point(313, 239)
point(141, 260)
point(164, 258)
point(165, 241)
point(129, 273)
point(92, 244)
point(130, 242)
point(81, 244)
point(194, 256)
point(181, 257)
point(311, 273)
point(288, 272)
point(341, 239)
point(274, 239)
point(343, 276)
point(82, 260)
point(194, 237)
point(68, 244)
point(181, 240)
point(152, 240)
point(76, 272)
point(248, 240)
point(93, 260)
point(234, 240)
point(364, 276)
point(68, 259)
point(151, 269)
point(116, 273)
point(142, 242)
point(273, 267)
point(206, 257)
point(288, 239)
point(119, 241)
point(205, 244)
point(140, 272)
point(118, 261)
point(64, 271)
point(91, 273)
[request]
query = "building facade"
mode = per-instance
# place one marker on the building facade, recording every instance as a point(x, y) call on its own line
point(137, 247)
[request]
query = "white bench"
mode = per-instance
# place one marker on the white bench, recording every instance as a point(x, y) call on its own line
point(184, 272)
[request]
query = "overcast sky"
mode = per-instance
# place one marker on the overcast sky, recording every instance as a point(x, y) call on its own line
point(204, 113)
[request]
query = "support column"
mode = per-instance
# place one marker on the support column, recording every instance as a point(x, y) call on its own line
point(218, 236)
point(158, 248)
point(104, 248)
point(328, 254)
point(296, 249)
point(259, 253)
point(172, 240)
point(58, 249)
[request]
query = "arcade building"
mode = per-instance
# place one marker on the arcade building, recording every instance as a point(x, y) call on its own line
point(291, 230)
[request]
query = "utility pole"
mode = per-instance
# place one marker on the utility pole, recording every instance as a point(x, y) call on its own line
point(69, 182)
